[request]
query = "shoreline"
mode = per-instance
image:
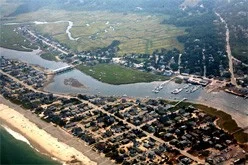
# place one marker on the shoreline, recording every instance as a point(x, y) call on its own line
point(60, 136)
point(43, 141)
point(239, 119)
point(16, 135)
point(74, 83)
point(15, 118)
point(17, 49)
point(236, 115)
point(31, 143)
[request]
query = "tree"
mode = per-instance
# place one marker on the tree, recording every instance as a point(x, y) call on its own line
point(174, 66)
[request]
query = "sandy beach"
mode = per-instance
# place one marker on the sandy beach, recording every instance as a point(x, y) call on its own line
point(60, 134)
point(43, 141)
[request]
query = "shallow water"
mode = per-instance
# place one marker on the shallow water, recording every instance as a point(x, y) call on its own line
point(17, 135)
point(220, 100)
point(14, 150)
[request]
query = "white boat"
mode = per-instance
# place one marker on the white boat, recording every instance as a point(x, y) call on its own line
point(176, 91)
point(195, 88)
point(156, 91)
point(186, 87)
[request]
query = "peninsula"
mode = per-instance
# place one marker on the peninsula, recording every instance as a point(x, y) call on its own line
point(100, 82)
point(125, 130)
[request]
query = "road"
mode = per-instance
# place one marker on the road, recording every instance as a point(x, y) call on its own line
point(228, 50)
point(47, 43)
point(62, 135)
point(30, 87)
point(183, 152)
point(244, 64)
point(204, 61)
point(179, 62)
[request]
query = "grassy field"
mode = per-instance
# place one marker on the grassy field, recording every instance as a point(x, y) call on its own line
point(138, 33)
point(115, 74)
point(49, 56)
point(10, 39)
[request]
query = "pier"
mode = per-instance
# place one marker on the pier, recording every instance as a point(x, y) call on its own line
point(241, 129)
point(184, 99)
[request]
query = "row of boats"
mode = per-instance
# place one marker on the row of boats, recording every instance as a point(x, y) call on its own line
point(187, 88)
point(178, 90)
point(159, 88)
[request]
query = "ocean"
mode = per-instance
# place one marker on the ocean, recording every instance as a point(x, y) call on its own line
point(16, 149)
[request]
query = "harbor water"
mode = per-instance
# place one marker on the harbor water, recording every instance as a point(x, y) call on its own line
point(219, 100)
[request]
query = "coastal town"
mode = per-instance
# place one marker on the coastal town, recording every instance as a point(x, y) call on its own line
point(108, 82)
point(127, 130)
point(163, 62)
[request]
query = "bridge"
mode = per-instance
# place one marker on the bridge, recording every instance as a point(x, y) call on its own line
point(62, 69)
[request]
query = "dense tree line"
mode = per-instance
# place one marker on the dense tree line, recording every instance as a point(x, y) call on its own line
point(204, 42)
point(236, 15)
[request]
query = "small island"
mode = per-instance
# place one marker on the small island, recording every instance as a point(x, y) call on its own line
point(74, 83)
point(151, 130)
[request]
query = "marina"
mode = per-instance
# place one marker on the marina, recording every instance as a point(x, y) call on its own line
point(195, 88)
point(187, 86)
point(187, 89)
point(105, 82)
point(220, 100)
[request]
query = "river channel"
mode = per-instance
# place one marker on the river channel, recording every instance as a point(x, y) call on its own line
point(219, 100)
point(67, 29)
